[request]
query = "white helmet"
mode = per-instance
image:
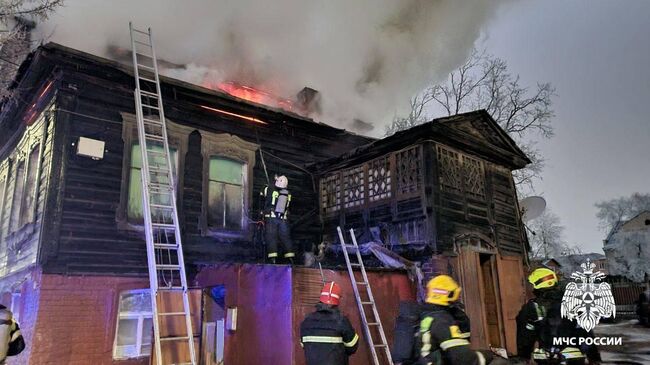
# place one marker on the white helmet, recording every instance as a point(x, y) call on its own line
point(281, 182)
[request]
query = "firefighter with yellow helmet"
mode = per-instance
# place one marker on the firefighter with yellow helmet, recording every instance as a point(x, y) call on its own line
point(539, 321)
point(439, 330)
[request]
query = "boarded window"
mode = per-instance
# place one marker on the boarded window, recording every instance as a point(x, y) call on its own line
point(134, 210)
point(408, 171)
point(449, 170)
point(379, 179)
point(134, 325)
point(225, 193)
point(27, 210)
point(19, 189)
point(354, 187)
point(474, 177)
point(330, 187)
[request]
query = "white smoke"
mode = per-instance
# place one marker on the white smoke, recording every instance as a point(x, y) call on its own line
point(366, 57)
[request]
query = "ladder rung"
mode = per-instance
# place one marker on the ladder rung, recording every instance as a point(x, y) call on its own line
point(355, 264)
point(373, 324)
point(361, 283)
point(171, 288)
point(152, 121)
point(368, 303)
point(147, 79)
point(183, 338)
point(163, 225)
point(167, 267)
point(166, 187)
point(160, 206)
point(380, 345)
point(154, 137)
point(148, 93)
point(172, 314)
point(139, 31)
point(167, 246)
point(148, 68)
point(157, 152)
point(150, 106)
point(142, 43)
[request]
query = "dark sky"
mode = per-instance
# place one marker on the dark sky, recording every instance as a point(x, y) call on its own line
point(597, 55)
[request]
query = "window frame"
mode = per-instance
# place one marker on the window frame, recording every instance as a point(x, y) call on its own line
point(140, 316)
point(177, 137)
point(233, 148)
point(242, 185)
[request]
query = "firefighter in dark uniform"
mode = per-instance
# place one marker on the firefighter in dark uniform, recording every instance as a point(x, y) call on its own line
point(326, 335)
point(276, 210)
point(540, 320)
point(11, 340)
point(439, 330)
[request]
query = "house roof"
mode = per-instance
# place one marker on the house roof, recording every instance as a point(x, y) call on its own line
point(475, 132)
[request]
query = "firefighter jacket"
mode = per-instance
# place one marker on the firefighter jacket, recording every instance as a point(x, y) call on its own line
point(327, 337)
point(439, 330)
point(276, 202)
point(540, 320)
point(11, 341)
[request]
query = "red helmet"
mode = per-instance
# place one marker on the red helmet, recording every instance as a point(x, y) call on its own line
point(331, 293)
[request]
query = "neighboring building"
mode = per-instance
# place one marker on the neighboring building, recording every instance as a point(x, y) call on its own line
point(571, 263)
point(627, 248)
point(72, 253)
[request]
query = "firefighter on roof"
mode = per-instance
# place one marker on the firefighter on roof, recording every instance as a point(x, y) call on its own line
point(439, 330)
point(326, 335)
point(276, 210)
point(539, 321)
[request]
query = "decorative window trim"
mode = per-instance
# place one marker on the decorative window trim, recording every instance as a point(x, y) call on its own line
point(235, 148)
point(177, 136)
point(32, 137)
point(461, 183)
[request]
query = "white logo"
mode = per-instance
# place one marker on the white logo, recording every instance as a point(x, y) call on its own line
point(588, 301)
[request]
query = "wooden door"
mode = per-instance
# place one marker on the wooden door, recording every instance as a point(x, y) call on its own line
point(512, 290)
point(471, 281)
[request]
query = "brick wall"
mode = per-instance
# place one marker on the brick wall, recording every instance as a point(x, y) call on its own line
point(76, 319)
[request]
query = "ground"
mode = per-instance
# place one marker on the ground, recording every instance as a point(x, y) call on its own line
point(636, 343)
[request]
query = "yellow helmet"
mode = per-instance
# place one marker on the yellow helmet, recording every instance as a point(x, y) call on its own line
point(542, 278)
point(442, 290)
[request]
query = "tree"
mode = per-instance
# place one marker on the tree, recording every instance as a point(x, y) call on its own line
point(484, 82)
point(614, 211)
point(547, 236)
point(14, 32)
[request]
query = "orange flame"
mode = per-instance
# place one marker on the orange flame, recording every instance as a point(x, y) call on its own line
point(255, 95)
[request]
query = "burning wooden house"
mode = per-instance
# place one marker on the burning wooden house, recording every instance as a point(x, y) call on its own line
point(72, 254)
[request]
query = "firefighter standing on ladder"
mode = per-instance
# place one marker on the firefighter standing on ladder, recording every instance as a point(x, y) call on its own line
point(276, 206)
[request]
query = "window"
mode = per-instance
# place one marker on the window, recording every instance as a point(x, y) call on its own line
point(129, 213)
point(19, 188)
point(27, 209)
point(460, 173)
point(225, 193)
point(134, 209)
point(227, 170)
point(134, 325)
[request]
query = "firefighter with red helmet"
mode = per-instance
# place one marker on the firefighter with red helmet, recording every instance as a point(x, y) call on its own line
point(326, 335)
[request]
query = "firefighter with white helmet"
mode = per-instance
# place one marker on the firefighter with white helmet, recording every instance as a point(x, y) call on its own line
point(276, 211)
point(439, 330)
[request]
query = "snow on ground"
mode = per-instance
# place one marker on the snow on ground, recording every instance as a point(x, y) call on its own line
point(636, 343)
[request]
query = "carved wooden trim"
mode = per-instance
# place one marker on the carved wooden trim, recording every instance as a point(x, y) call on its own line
point(178, 135)
point(233, 147)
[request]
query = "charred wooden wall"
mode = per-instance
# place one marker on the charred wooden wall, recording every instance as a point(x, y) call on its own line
point(82, 234)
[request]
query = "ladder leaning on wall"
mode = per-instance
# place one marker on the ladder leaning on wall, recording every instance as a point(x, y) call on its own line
point(367, 305)
point(164, 249)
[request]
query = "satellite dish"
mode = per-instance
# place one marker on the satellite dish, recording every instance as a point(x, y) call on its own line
point(532, 207)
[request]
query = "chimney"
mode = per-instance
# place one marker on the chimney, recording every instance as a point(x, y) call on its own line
point(14, 50)
point(308, 101)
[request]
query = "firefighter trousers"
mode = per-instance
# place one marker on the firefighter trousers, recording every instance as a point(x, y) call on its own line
point(277, 229)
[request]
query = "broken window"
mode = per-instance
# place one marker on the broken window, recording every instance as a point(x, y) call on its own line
point(379, 179)
point(19, 188)
point(331, 193)
point(408, 171)
point(225, 193)
point(134, 210)
point(27, 209)
point(354, 187)
point(134, 325)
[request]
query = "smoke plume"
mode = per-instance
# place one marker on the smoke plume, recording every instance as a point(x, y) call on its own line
point(365, 57)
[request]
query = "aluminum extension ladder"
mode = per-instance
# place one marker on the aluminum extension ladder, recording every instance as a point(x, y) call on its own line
point(374, 325)
point(164, 249)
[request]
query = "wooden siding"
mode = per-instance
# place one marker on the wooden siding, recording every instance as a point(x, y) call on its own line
point(83, 235)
